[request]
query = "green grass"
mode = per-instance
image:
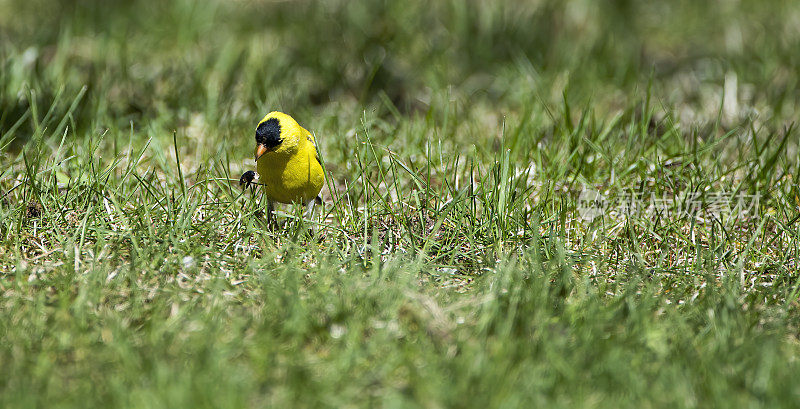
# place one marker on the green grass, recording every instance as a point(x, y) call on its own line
point(450, 265)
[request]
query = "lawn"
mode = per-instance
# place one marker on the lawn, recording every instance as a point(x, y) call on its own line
point(552, 203)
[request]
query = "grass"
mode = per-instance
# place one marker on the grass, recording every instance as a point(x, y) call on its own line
point(451, 264)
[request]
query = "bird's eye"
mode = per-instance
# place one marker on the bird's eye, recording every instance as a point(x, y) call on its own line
point(268, 133)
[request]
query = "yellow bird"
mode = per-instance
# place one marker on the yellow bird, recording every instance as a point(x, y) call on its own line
point(287, 163)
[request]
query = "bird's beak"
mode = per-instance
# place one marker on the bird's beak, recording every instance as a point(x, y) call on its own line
point(260, 150)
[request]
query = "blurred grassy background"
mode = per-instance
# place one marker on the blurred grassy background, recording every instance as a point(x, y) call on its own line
point(214, 67)
point(452, 268)
point(142, 59)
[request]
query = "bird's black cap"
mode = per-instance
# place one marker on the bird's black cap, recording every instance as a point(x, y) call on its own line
point(268, 133)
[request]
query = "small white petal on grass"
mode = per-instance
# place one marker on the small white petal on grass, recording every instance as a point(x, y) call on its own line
point(337, 331)
point(188, 262)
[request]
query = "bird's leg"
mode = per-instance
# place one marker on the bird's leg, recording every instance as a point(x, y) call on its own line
point(270, 212)
point(308, 214)
point(309, 209)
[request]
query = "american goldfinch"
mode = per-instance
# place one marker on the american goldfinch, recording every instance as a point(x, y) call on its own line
point(287, 163)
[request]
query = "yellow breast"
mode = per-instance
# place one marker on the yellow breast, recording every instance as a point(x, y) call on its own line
point(294, 176)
